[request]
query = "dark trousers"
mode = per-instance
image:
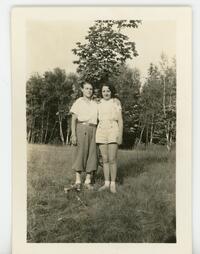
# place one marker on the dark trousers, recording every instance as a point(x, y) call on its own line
point(85, 153)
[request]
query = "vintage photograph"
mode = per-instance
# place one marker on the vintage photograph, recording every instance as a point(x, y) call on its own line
point(101, 129)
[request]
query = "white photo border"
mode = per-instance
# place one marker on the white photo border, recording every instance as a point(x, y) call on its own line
point(5, 105)
point(182, 15)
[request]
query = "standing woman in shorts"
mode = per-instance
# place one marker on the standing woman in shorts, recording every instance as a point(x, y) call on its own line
point(109, 134)
point(84, 122)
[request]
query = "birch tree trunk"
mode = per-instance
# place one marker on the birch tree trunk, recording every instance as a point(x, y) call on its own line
point(42, 130)
point(151, 132)
point(164, 112)
point(164, 88)
point(68, 130)
point(52, 131)
point(42, 125)
point(29, 135)
point(147, 135)
point(61, 130)
point(141, 133)
point(31, 140)
point(47, 128)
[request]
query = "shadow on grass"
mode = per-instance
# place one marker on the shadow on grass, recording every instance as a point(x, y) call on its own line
point(126, 169)
point(134, 163)
point(130, 169)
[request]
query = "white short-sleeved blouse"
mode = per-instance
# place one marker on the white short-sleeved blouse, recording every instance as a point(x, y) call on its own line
point(109, 109)
point(86, 110)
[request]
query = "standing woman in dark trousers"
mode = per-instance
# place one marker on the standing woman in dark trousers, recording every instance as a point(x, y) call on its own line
point(84, 122)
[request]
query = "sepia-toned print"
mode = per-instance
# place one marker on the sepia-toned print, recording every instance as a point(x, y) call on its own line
point(102, 128)
point(135, 58)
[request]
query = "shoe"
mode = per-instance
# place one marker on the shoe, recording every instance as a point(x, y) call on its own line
point(88, 186)
point(113, 189)
point(77, 186)
point(104, 187)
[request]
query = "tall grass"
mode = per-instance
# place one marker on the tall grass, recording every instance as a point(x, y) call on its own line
point(142, 211)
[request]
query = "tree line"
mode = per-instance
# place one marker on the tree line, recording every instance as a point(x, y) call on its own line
point(149, 108)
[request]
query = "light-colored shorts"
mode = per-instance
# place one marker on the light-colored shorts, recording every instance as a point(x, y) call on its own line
point(107, 132)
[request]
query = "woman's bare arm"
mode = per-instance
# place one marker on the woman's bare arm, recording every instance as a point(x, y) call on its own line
point(73, 128)
point(120, 123)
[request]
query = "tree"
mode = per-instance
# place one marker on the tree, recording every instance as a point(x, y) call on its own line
point(34, 96)
point(168, 77)
point(48, 102)
point(60, 91)
point(149, 110)
point(158, 104)
point(151, 105)
point(105, 51)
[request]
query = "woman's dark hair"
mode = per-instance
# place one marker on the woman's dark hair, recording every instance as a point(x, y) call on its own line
point(85, 82)
point(111, 88)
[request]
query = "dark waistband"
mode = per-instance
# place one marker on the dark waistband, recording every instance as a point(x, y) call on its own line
point(86, 123)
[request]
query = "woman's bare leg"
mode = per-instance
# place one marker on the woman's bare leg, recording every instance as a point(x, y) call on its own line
point(112, 153)
point(104, 153)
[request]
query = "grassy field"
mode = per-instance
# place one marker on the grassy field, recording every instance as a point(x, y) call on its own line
point(143, 210)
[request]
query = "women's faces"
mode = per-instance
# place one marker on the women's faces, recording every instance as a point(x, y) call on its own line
point(87, 90)
point(106, 93)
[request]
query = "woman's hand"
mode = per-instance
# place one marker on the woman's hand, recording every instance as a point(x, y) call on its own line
point(119, 140)
point(74, 140)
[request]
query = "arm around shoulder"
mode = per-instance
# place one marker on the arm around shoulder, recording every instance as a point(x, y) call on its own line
point(118, 103)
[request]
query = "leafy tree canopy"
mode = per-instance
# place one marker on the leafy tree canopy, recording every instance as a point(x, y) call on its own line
point(105, 50)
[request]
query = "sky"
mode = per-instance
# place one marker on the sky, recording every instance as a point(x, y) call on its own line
point(50, 43)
